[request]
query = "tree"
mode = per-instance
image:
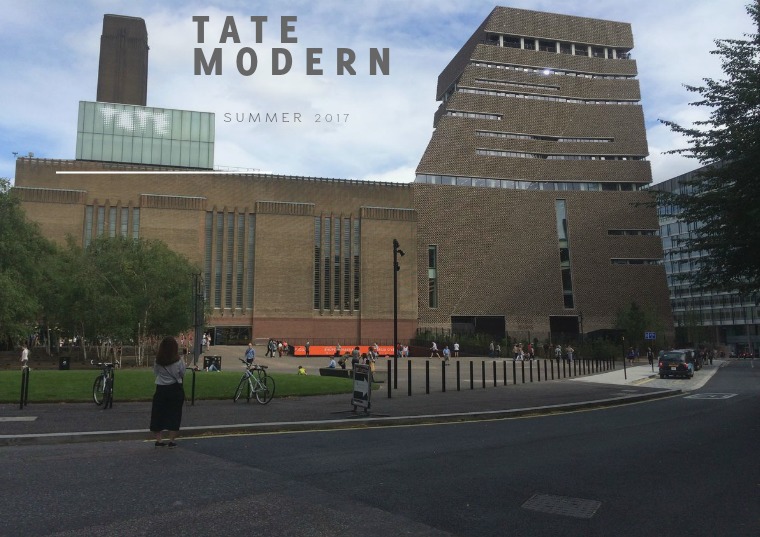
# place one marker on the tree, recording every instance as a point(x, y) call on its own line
point(23, 269)
point(118, 284)
point(722, 202)
point(634, 321)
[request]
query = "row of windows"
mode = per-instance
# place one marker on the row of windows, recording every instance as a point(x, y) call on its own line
point(523, 154)
point(528, 185)
point(556, 47)
point(541, 137)
point(634, 261)
point(472, 115)
point(228, 273)
point(337, 264)
point(116, 219)
point(648, 232)
point(534, 96)
point(517, 84)
point(708, 317)
point(547, 71)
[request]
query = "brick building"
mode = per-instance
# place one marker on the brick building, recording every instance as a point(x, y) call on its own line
point(523, 213)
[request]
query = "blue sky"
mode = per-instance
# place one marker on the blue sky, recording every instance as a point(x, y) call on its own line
point(50, 63)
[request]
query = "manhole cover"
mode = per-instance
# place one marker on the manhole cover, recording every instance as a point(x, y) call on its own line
point(562, 505)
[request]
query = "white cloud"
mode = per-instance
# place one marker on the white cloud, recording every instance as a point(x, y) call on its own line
point(51, 60)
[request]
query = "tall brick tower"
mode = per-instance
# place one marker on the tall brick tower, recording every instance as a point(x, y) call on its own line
point(123, 69)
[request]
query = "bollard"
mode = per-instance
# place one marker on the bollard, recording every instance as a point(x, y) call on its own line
point(538, 369)
point(483, 373)
point(409, 377)
point(443, 377)
point(530, 368)
point(24, 387)
point(192, 389)
point(109, 403)
point(388, 379)
point(427, 376)
point(458, 380)
point(472, 381)
point(514, 372)
point(522, 369)
point(494, 374)
point(504, 364)
point(395, 370)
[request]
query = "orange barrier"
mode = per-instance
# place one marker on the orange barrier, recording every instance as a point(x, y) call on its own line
point(329, 350)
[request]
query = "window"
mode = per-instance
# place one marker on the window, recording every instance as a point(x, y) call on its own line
point(564, 253)
point(124, 224)
point(317, 261)
point(432, 276)
point(239, 263)
point(208, 257)
point(218, 264)
point(87, 226)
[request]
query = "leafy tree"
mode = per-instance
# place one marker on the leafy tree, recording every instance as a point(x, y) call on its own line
point(634, 321)
point(118, 284)
point(723, 200)
point(23, 269)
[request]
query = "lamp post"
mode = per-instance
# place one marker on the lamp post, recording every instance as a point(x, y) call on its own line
point(396, 268)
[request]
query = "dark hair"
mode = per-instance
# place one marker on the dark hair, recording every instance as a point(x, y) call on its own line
point(168, 351)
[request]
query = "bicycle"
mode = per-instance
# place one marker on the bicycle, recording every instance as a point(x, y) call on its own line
point(255, 381)
point(102, 388)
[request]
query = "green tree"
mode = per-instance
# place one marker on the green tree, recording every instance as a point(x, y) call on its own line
point(723, 200)
point(634, 321)
point(117, 284)
point(24, 269)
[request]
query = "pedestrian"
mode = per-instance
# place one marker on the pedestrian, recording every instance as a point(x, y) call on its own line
point(456, 350)
point(498, 350)
point(490, 350)
point(434, 350)
point(631, 356)
point(355, 357)
point(650, 356)
point(250, 354)
point(24, 355)
point(569, 350)
point(279, 349)
point(446, 354)
point(166, 412)
point(558, 353)
point(307, 347)
point(301, 370)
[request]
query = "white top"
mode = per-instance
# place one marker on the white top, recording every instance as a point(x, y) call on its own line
point(169, 374)
point(25, 355)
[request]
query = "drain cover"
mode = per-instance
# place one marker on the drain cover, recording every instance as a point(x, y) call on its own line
point(562, 505)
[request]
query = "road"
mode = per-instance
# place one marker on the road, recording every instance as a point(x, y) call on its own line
point(686, 465)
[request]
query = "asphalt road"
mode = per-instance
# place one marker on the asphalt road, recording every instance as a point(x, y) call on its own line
point(685, 465)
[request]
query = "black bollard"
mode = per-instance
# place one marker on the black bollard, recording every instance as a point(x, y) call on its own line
point(504, 364)
point(459, 387)
point(388, 379)
point(472, 381)
point(427, 376)
point(538, 370)
point(483, 373)
point(24, 399)
point(192, 389)
point(443, 377)
point(530, 368)
point(514, 372)
point(522, 369)
point(409, 378)
point(494, 374)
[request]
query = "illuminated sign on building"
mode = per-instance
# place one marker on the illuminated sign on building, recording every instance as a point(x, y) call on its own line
point(127, 133)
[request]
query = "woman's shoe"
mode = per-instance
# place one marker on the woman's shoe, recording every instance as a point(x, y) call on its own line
point(172, 444)
point(159, 443)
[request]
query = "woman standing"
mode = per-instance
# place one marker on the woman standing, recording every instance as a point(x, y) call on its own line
point(166, 413)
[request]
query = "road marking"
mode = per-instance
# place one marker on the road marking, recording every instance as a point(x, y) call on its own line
point(711, 396)
point(19, 418)
point(562, 505)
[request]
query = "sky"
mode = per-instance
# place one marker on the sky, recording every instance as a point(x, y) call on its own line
point(50, 63)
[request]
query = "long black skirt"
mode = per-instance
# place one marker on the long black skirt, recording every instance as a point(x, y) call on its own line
point(166, 413)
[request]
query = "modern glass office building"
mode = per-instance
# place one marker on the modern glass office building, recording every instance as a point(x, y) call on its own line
point(723, 318)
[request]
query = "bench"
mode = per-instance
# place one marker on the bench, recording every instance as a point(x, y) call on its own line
point(335, 372)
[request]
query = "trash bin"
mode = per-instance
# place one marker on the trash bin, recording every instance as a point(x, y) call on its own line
point(216, 360)
point(63, 362)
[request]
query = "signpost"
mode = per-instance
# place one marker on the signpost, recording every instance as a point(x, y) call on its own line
point(650, 335)
point(362, 387)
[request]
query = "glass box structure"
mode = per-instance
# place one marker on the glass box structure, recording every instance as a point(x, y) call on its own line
point(109, 132)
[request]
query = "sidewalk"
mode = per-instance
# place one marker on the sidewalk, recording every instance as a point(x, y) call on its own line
point(84, 422)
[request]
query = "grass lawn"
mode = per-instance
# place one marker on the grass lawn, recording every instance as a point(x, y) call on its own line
point(75, 386)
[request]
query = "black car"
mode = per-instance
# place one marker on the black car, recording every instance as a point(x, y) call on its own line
point(677, 363)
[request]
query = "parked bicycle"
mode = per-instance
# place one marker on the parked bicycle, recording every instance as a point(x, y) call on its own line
point(102, 388)
point(255, 381)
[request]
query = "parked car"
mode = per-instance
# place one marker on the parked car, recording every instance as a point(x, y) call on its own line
point(677, 363)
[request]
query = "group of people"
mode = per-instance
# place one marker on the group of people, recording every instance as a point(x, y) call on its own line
point(276, 346)
point(447, 353)
point(356, 357)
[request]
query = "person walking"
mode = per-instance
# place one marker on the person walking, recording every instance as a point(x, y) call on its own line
point(166, 411)
point(24, 355)
point(250, 354)
point(307, 347)
point(434, 350)
point(456, 350)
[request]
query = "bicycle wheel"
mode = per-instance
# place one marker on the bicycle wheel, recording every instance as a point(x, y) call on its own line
point(265, 389)
point(98, 390)
point(240, 388)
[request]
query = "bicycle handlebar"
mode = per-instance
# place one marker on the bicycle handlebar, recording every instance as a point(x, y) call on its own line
point(252, 365)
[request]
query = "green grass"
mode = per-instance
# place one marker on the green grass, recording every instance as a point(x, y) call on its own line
point(139, 384)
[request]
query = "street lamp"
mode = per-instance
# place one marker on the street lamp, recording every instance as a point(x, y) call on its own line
point(396, 268)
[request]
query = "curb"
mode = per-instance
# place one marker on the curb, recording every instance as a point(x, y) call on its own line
point(359, 421)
